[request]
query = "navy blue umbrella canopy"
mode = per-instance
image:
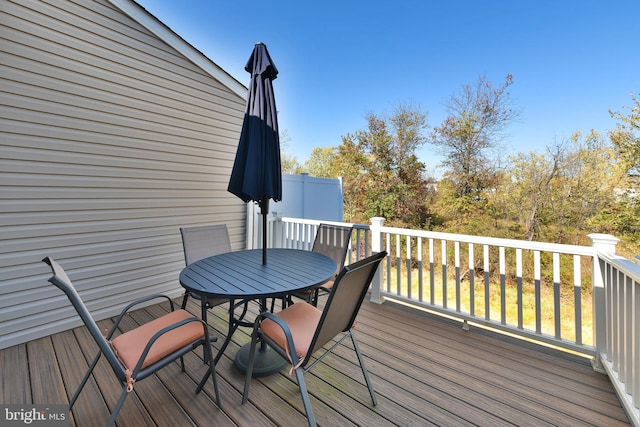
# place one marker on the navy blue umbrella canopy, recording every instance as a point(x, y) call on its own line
point(256, 174)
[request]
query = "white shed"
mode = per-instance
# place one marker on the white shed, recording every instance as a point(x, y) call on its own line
point(115, 133)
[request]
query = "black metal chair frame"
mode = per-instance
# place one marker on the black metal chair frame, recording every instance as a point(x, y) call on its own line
point(338, 316)
point(126, 378)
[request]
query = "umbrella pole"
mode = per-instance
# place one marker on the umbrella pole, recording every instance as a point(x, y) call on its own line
point(264, 210)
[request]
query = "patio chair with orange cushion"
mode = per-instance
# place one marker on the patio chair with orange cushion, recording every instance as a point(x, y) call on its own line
point(332, 241)
point(140, 352)
point(300, 330)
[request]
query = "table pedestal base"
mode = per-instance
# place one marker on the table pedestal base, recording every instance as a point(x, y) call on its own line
point(265, 362)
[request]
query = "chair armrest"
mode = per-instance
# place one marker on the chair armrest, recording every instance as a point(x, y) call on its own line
point(291, 350)
point(133, 304)
point(148, 298)
point(166, 329)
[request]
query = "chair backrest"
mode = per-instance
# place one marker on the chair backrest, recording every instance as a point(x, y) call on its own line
point(345, 299)
point(204, 241)
point(333, 241)
point(61, 280)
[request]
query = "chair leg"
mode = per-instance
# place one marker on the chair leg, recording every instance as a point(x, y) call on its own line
point(305, 397)
point(247, 375)
point(84, 380)
point(214, 377)
point(233, 325)
point(116, 410)
point(364, 369)
point(211, 372)
point(313, 297)
point(184, 300)
point(203, 314)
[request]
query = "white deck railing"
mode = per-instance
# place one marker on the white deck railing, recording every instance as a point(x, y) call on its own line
point(584, 299)
point(619, 304)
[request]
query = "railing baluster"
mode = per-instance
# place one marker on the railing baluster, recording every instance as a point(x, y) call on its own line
point(420, 267)
point(610, 278)
point(432, 272)
point(457, 267)
point(626, 369)
point(443, 245)
point(577, 297)
point(556, 294)
point(398, 264)
point(503, 286)
point(519, 287)
point(537, 291)
point(615, 323)
point(409, 275)
point(487, 283)
point(472, 282)
point(388, 249)
point(635, 360)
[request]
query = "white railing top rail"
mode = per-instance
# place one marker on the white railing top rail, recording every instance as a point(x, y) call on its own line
point(494, 241)
point(318, 222)
point(629, 268)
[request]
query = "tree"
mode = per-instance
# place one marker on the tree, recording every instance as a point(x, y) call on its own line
point(383, 176)
point(556, 195)
point(592, 175)
point(626, 139)
point(351, 163)
point(626, 136)
point(477, 116)
point(531, 187)
point(321, 162)
point(289, 162)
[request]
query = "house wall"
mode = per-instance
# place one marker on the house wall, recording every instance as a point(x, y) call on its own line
point(111, 139)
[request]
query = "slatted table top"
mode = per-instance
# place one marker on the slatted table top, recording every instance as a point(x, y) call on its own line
point(241, 275)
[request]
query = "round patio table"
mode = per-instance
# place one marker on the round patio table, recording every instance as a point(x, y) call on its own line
point(240, 275)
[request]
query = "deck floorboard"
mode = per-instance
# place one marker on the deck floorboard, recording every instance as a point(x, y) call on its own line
point(425, 370)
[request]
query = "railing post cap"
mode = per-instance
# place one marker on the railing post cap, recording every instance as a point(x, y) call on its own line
point(377, 220)
point(604, 241)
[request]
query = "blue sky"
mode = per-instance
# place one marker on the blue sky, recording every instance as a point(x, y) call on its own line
point(572, 60)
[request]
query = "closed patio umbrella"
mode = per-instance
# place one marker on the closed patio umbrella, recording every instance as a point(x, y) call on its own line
point(256, 174)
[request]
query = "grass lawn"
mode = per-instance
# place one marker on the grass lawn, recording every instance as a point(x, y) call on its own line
point(512, 308)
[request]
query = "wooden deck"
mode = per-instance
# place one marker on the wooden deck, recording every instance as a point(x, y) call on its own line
point(425, 370)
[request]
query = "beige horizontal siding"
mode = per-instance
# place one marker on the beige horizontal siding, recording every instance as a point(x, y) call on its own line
point(111, 141)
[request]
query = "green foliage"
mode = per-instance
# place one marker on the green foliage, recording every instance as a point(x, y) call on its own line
point(382, 174)
point(626, 136)
point(578, 186)
point(321, 162)
point(289, 162)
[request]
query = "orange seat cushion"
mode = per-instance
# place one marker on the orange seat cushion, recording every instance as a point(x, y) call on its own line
point(130, 345)
point(302, 319)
